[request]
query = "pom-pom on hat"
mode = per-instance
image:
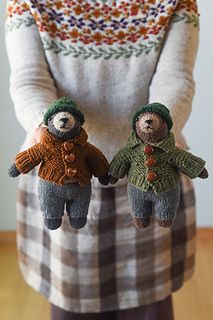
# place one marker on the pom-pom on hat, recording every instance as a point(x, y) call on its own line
point(156, 108)
point(64, 104)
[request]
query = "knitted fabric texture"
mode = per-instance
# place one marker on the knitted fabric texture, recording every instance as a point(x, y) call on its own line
point(145, 48)
point(75, 160)
point(157, 108)
point(64, 104)
point(72, 195)
point(143, 202)
point(169, 160)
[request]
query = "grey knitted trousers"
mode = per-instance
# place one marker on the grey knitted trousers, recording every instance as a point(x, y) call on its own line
point(55, 198)
point(142, 203)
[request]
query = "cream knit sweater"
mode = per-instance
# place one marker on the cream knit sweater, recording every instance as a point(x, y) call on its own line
point(110, 57)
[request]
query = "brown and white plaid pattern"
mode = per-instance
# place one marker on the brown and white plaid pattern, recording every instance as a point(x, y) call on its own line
point(109, 264)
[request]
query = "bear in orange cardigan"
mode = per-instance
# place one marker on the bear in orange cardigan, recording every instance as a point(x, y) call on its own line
point(68, 162)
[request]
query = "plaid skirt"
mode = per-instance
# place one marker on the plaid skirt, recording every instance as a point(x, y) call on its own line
point(109, 264)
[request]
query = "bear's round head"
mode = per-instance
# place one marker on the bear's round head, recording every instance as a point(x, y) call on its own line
point(64, 119)
point(152, 122)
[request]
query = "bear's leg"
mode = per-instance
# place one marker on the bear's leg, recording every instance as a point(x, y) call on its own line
point(52, 224)
point(141, 208)
point(51, 203)
point(166, 206)
point(77, 207)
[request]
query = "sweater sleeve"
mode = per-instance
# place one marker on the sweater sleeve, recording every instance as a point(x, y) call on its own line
point(187, 163)
point(96, 161)
point(31, 86)
point(120, 164)
point(173, 83)
point(29, 159)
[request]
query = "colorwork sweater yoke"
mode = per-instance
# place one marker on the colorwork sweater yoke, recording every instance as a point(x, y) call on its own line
point(110, 57)
point(169, 161)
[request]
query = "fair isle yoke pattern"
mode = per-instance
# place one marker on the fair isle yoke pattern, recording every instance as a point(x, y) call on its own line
point(101, 29)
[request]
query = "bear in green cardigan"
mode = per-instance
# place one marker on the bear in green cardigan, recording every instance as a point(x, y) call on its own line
point(153, 164)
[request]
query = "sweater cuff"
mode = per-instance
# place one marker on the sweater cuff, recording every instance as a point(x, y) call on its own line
point(195, 167)
point(117, 169)
point(23, 163)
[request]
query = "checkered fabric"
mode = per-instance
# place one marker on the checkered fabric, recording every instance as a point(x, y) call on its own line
point(109, 264)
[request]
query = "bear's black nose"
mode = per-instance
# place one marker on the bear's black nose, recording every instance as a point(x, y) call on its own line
point(148, 121)
point(64, 120)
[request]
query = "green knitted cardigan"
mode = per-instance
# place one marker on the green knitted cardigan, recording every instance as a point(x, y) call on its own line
point(170, 160)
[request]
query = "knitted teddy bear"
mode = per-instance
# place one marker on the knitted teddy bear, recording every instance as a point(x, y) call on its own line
point(153, 164)
point(67, 163)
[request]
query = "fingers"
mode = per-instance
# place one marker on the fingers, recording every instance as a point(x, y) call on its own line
point(37, 136)
point(38, 133)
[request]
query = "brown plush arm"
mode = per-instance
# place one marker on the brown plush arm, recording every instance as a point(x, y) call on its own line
point(29, 159)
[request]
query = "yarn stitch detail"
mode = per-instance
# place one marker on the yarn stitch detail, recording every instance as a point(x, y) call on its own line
point(97, 52)
point(50, 152)
point(130, 161)
point(100, 23)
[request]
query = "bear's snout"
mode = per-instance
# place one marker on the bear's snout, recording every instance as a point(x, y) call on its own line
point(149, 121)
point(64, 120)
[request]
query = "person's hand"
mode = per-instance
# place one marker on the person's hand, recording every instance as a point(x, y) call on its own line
point(37, 136)
point(204, 174)
point(179, 145)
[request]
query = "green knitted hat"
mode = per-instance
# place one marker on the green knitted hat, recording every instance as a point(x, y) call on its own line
point(64, 104)
point(157, 108)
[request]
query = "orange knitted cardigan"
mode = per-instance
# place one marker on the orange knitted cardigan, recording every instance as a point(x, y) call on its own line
point(75, 160)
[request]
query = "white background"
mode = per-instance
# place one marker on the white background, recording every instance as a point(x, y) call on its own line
point(198, 131)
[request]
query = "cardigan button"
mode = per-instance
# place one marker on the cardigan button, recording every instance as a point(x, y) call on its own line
point(148, 150)
point(70, 157)
point(150, 162)
point(71, 172)
point(151, 176)
point(68, 145)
